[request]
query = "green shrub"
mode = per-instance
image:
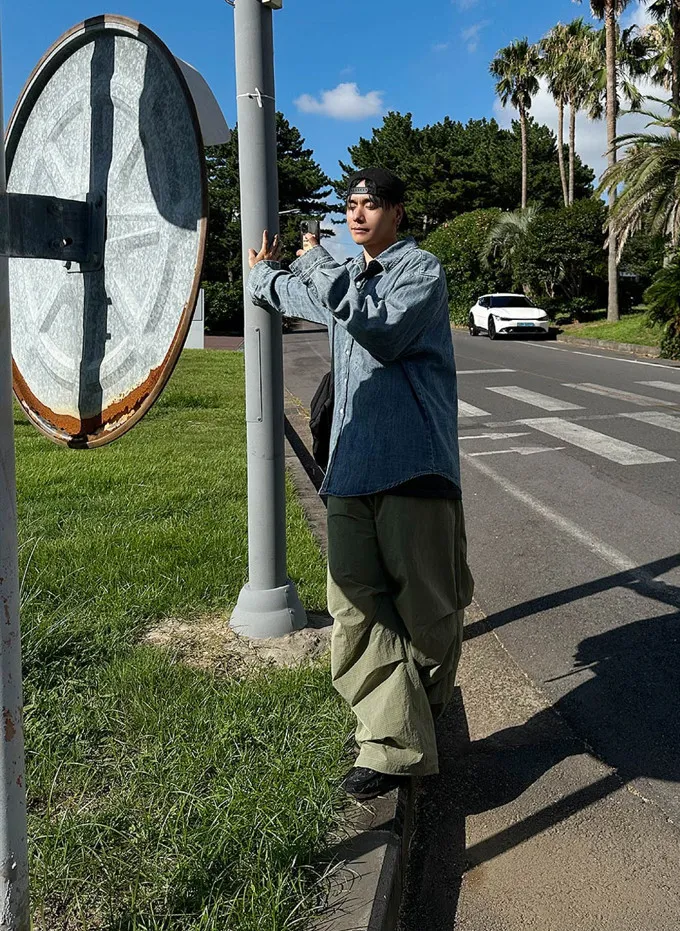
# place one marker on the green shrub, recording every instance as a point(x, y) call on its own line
point(662, 298)
point(562, 257)
point(670, 341)
point(458, 245)
point(569, 310)
point(223, 306)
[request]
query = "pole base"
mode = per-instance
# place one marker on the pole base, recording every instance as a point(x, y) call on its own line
point(273, 612)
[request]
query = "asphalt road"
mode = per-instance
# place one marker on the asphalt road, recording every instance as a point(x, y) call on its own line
point(571, 483)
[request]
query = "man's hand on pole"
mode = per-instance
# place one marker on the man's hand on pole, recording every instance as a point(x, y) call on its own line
point(266, 254)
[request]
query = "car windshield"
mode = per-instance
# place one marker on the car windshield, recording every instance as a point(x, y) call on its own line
point(510, 300)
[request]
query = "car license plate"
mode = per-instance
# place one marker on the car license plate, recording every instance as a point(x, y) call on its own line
point(525, 324)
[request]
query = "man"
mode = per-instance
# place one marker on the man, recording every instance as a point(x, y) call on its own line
point(398, 579)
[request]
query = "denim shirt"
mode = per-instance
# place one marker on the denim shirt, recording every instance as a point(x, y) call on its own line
point(396, 406)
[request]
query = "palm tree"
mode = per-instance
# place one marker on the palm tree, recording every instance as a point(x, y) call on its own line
point(662, 298)
point(581, 70)
point(516, 68)
point(650, 174)
point(554, 67)
point(505, 236)
point(609, 11)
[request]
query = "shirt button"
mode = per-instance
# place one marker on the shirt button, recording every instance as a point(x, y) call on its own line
point(342, 411)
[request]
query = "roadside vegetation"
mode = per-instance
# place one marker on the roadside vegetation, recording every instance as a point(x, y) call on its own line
point(634, 327)
point(164, 794)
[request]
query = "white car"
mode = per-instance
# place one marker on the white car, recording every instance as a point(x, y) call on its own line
point(497, 314)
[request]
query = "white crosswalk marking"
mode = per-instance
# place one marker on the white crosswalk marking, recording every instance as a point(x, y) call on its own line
point(522, 450)
point(535, 399)
point(619, 395)
point(483, 371)
point(656, 419)
point(664, 385)
point(469, 410)
point(602, 445)
point(492, 436)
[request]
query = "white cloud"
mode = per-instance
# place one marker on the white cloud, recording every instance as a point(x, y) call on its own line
point(637, 14)
point(441, 46)
point(471, 34)
point(344, 102)
point(465, 4)
point(346, 72)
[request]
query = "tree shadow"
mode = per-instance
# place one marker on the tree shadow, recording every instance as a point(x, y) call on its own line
point(628, 708)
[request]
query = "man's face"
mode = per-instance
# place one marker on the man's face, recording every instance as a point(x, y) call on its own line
point(369, 223)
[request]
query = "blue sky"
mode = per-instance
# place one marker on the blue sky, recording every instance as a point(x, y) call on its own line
point(340, 64)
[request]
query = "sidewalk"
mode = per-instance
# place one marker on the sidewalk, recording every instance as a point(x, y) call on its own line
point(524, 828)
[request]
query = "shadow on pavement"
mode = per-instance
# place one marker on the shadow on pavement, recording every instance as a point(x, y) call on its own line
point(627, 709)
point(314, 472)
point(641, 580)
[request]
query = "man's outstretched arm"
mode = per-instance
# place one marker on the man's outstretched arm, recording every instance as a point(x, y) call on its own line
point(270, 286)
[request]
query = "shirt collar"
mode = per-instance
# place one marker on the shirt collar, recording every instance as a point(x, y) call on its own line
point(386, 260)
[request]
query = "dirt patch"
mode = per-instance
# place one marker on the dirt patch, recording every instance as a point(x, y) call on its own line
point(209, 643)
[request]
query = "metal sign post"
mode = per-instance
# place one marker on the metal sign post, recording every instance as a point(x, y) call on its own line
point(101, 245)
point(268, 605)
point(14, 904)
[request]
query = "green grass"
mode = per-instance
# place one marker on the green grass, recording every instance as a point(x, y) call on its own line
point(631, 328)
point(160, 796)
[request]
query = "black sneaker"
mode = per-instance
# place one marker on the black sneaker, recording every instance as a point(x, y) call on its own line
point(363, 783)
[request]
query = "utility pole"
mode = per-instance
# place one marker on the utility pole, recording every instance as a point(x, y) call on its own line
point(14, 902)
point(268, 605)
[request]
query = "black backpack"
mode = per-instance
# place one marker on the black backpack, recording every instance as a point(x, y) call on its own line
point(321, 414)
point(321, 419)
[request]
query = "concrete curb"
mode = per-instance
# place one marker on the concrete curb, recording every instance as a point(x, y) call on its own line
point(648, 352)
point(368, 863)
point(584, 342)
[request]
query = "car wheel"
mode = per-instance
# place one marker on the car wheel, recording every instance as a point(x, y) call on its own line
point(471, 326)
point(492, 329)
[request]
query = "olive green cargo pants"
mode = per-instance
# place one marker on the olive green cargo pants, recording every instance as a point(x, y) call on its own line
point(398, 583)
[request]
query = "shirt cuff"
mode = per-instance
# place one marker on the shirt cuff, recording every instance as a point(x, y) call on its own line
point(260, 275)
point(304, 267)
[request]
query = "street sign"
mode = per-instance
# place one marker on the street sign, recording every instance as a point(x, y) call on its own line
point(106, 132)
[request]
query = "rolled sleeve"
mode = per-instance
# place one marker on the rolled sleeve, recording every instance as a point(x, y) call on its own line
point(271, 287)
point(305, 266)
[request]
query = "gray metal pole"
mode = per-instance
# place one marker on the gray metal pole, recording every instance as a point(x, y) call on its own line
point(14, 903)
point(268, 605)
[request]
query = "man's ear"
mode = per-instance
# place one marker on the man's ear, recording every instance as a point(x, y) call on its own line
point(400, 214)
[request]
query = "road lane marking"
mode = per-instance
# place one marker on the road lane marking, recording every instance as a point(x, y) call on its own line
point(468, 410)
point(619, 395)
point(608, 554)
point(535, 399)
point(599, 443)
point(482, 371)
point(492, 436)
point(664, 385)
point(522, 450)
point(656, 419)
point(599, 355)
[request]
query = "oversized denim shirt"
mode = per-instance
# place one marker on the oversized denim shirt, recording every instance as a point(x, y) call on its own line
point(396, 408)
